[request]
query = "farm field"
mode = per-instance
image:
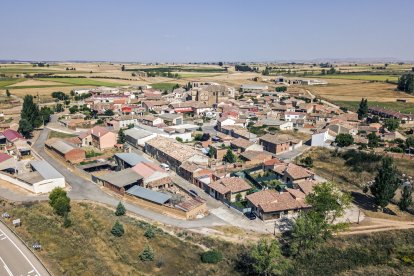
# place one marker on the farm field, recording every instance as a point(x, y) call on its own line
point(82, 81)
point(367, 77)
point(353, 90)
point(397, 106)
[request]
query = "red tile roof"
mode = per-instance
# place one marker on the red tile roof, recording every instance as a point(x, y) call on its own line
point(12, 135)
point(4, 157)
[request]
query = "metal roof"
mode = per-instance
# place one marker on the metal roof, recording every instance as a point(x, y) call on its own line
point(61, 146)
point(45, 170)
point(121, 178)
point(131, 158)
point(137, 133)
point(148, 194)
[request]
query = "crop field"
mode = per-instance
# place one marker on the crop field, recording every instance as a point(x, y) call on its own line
point(353, 90)
point(163, 86)
point(82, 81)
point(7, 82)
point(397, 106)
point(366, 77)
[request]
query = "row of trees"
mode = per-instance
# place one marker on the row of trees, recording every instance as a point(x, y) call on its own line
point(406, 83)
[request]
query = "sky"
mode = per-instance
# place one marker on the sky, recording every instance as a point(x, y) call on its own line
point(205, 30)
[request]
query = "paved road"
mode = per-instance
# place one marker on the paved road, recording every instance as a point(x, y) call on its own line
point(16, 258)
point(291, 155)
point(83, 189)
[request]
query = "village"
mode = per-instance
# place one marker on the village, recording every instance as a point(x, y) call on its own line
point(200, 149)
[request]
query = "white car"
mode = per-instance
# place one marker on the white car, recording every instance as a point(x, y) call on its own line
point(165, 166)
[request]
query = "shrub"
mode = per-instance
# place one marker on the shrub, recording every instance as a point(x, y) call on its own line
point(59, 201)
point(149, 233)
point(147, 254)
point(118, 229)
point(211, 257)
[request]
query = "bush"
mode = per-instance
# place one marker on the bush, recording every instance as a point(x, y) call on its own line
point(118, 229)
point(67, 222)
point(211, 257)
point(59, 201)
point(149, 233)
point(147, 254)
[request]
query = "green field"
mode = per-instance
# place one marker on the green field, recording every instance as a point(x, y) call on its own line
point(196, 75)
point(9, 81)
point(163, 85)
point(34, 70)
point(396, 106)
point(82, 81)
point(366, 77)
point(61, 135)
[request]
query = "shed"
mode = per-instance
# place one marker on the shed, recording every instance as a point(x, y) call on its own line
point(149, 195)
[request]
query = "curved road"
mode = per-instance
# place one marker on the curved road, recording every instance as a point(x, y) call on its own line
point(16, 258)
point(83, 189)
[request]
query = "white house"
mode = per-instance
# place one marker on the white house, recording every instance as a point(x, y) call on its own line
point(293, 116)
point(323, 138)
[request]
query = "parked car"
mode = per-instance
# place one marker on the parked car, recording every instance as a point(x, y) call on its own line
point(251, 216)
point(165, 166)
point(193, 192)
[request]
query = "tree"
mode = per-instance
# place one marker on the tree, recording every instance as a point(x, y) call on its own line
point(267, 258)
point(59, 201)
point(121, 136)
point(120, 209)
point(409, 142)
point(281, 89)
point(8, 93)
point(73, 109)
point(307, 161)
point(229, 157)
point(25, 128)
point(220, 63)
point(45, 113)
point(392, 124)
point(309, 230)
point(406, 198)
point(211, 152)
point(373, 140)
point(147, 254)
point(363, 109)
point(386, 183)
point(59, 108)
point(406, 83)
point(109, 112)
point(30, 117)
point(67, 222)
point(118, 229)
point(123, 68)
point(328, 201)
point(344, 140)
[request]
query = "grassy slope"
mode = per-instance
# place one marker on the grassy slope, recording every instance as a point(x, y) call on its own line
point(397, 106)
point(57, 134)
point(88, 247)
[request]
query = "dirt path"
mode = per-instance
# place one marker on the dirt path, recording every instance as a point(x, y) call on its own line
point(372, 225)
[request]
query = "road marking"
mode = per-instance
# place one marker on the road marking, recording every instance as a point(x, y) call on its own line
point(21, 252)
point(3, 238)
point(30, 271)
point(6, 267)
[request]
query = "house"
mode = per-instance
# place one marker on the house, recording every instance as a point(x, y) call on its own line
point(291, 173)
point(277, 124)
point(242, 145)
point(279, 143)
point(154, 177)
point(174, 153)
point(120, 181)
point(171, 119)
point(294, 116)
point(151, 120)
point(42, 178)
point(255, 157)
point(65, 150)
point(270, 204)
point(229, 189)
point(12, 135)
point(127, 160)
point(102, 138)
point(137, 137)
point(323, 138)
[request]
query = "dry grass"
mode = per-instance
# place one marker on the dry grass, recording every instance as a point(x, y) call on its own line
point(88, 247)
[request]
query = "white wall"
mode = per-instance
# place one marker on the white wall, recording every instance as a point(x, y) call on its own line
point(44, 186)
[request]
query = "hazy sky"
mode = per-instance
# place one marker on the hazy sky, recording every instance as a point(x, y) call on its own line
point(203, 30)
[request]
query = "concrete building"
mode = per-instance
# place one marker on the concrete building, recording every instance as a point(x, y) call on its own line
point(102, 138)
point(65, 150)
point(279, 143)
point(137, 137)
